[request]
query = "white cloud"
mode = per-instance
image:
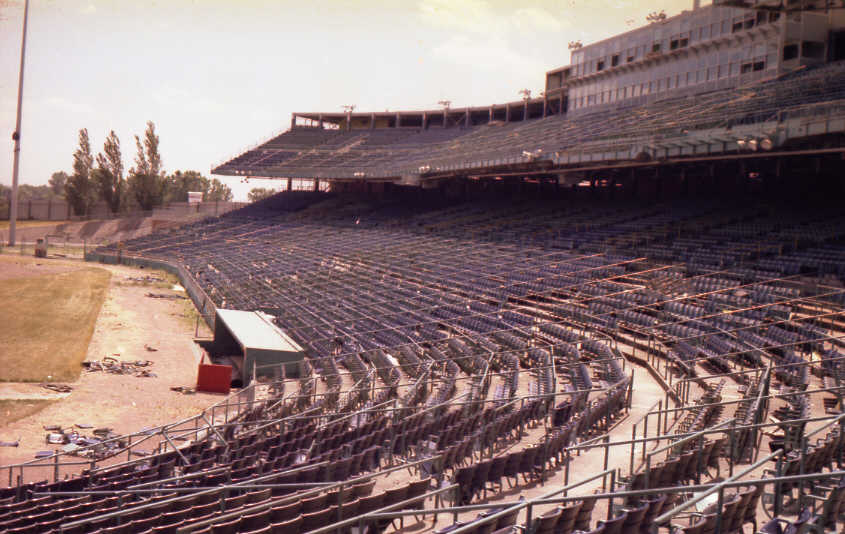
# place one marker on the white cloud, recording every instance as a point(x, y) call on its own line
point(478, 34)
point(468, 15)
point(536, 18)
point(479, 16)
point(490, 53)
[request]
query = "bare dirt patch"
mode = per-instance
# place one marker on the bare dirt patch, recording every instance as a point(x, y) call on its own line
point(15, 266)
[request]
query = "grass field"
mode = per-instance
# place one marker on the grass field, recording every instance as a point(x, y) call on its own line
point(47, 322)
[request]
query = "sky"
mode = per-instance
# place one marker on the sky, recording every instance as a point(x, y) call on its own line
point(219, 76)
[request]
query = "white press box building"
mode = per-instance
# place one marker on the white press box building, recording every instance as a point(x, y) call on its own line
point(708, 47)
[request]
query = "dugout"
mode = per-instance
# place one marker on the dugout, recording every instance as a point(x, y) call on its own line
point(253, 346)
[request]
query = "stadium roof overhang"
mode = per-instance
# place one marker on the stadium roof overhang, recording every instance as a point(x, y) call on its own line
point(410, 117)
point(580, 169)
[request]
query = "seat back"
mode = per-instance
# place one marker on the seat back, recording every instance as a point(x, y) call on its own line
point(547, 522)
point(615, 524)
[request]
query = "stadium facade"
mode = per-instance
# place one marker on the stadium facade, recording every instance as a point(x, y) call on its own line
point(495, 344)
point(704, 49)
point(713, 86)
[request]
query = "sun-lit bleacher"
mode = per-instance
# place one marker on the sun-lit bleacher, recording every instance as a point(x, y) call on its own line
point(625, 320)
point(500, 334)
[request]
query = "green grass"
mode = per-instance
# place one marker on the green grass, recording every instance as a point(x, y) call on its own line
point(47, 324)
point(12, 410)
point(167, 280)
point(190, 315)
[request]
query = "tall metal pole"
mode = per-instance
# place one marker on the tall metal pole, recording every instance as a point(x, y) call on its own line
point(16, 136)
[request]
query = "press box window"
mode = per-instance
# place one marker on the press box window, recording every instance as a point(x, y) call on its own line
point(790, 51)
point(812, 49)
point(679, 41)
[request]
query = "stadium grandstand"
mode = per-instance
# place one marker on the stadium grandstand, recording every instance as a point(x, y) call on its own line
point(542, 317)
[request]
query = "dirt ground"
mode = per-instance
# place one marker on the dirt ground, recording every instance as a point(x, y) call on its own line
point(128, 322)
point(13, 266)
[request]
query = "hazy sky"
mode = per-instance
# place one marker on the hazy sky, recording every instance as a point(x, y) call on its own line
point(217, 76)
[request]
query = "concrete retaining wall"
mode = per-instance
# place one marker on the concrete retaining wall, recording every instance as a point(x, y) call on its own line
point(60, 210)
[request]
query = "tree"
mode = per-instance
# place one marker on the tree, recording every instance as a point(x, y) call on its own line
point(80, 192)
point(218, 192)
point(109, 173)
point(260, 193)
point(180, 183)
point(34, 192)
point(146, 178)
point(5, 201)
point(57, 182)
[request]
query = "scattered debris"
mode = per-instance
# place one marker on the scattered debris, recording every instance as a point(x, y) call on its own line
point(186, 390)
point(59, 388)
point(83, 425)
point(43, 454)
point(10, 443)
point(177, 287)
point(96, 447)
point(116, 367)
point(145, 279)
point(52, 428)
point(150, 349)
point(57, 438)
point(165, 296)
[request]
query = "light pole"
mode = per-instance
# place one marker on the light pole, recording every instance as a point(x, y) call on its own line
point(349, 108)
point(16, 137)
point(526, 96)
point(445, 104)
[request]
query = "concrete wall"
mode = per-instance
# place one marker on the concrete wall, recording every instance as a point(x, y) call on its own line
point(59, 210)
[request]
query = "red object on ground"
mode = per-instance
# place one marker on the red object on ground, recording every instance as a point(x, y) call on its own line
point(213, 378)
